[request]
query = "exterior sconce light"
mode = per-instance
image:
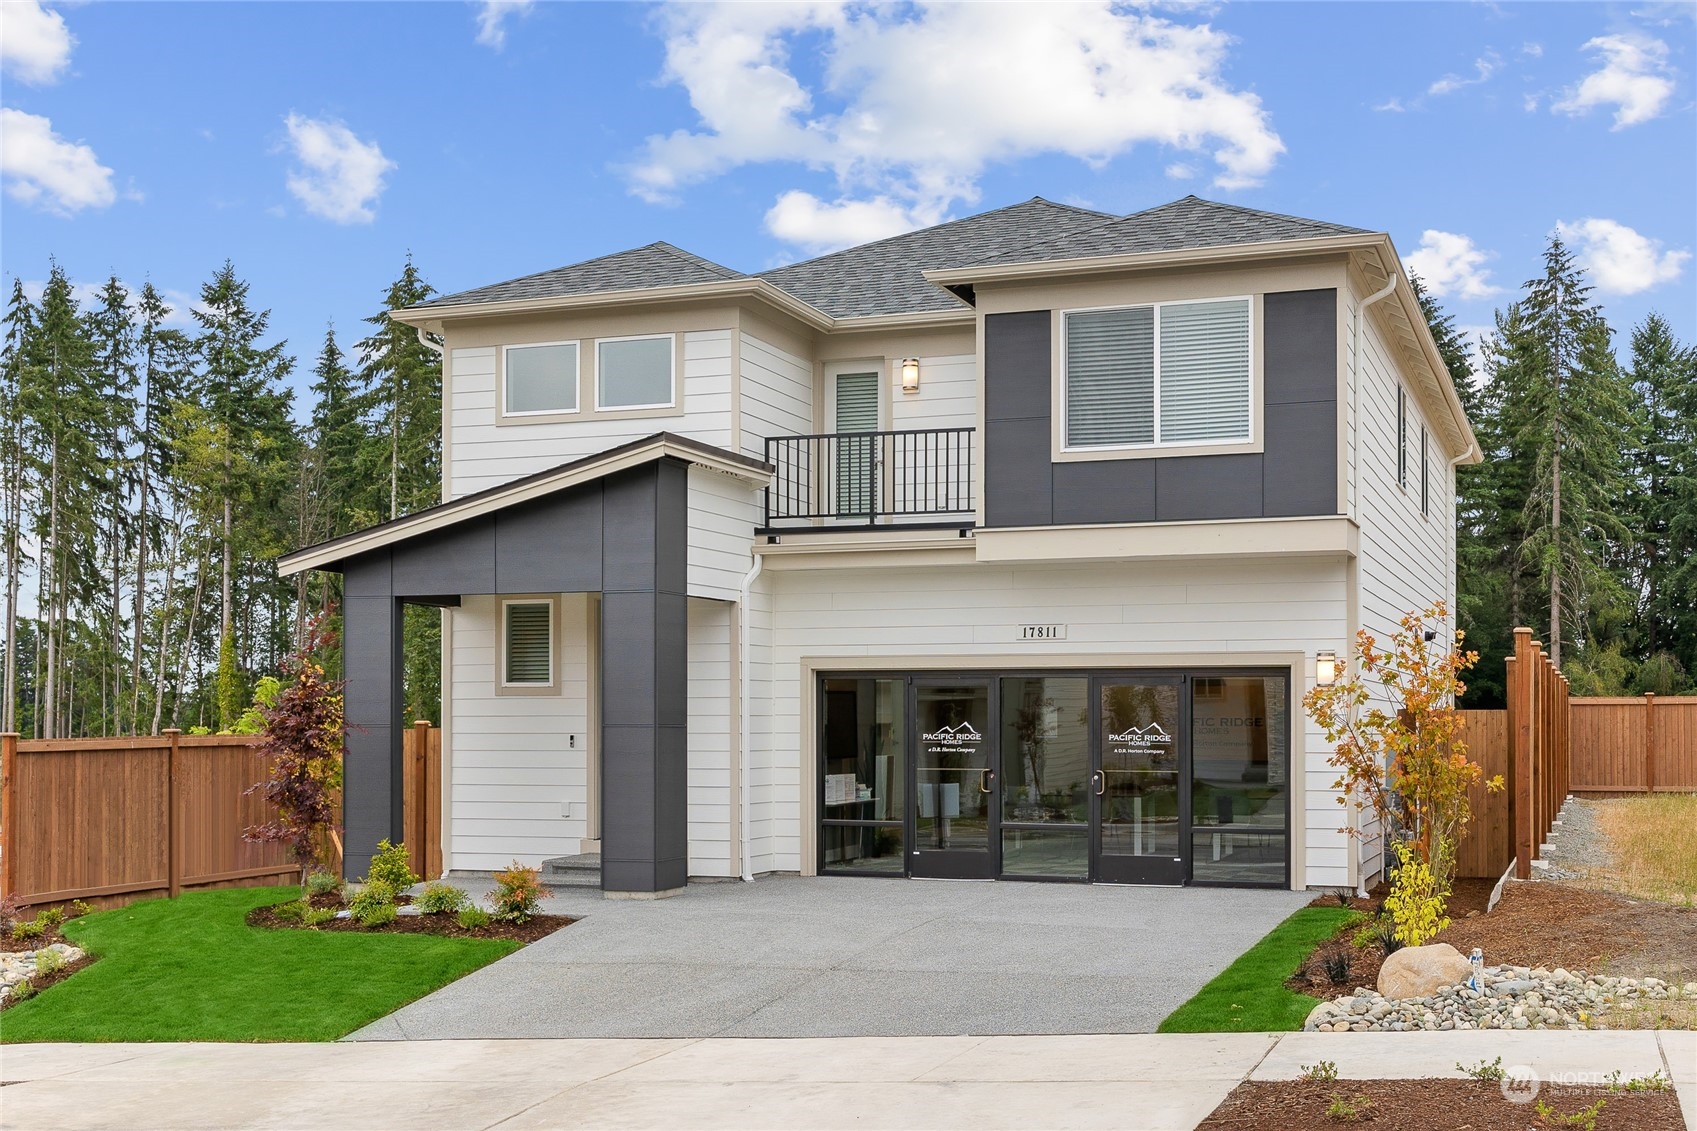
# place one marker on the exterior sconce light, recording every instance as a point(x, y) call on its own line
point(910, 375)
point(1325, 668)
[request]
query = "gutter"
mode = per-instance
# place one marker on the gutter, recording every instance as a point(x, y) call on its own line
point(744, 723)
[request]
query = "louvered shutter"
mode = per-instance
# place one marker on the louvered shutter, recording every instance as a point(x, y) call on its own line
point(1110, 374)
point(529, 643)
point(856, 411)
point(1205, 371)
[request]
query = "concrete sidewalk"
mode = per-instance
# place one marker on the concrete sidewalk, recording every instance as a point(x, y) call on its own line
point(1137, 1082)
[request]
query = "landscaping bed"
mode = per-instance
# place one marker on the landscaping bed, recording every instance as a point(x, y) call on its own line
point(1477, 1105)
point(441, 923)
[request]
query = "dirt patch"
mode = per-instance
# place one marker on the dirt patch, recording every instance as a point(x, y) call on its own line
point(1558, 924)
point(1459, 1105)
point(444, 924)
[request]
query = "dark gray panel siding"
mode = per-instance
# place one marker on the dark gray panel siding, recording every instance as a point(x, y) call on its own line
point(1295, 475)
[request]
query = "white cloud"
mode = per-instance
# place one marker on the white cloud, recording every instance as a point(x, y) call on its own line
point(803, 219)
point(492, 20)
point(1635, 79)
point(1532, 49)
point(340, 177)
point(1391, 105)
point(178, 304)
point(1473, 336)
point(34, 43)
point(1180, 171)
point(1451, 266)
point(42, 169)
point(1621, 261)
point(1484, 67)
point(888, 116)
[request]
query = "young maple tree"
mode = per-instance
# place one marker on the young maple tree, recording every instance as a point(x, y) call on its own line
point(1399, 746)
point(304, 734)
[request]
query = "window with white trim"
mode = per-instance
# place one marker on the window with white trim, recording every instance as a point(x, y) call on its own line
point(1425, 474)
point(635, 372)
point(1174, 373)
point(527, 644)
point(1401, 437)
point(540, 378)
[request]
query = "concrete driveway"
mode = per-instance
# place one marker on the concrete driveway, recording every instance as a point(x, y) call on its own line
point(851, 956)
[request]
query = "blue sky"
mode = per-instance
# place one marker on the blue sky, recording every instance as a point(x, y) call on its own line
point(316, 144)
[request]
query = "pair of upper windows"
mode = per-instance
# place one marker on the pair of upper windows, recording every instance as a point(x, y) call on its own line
point(630, 373)
point(1173, 373)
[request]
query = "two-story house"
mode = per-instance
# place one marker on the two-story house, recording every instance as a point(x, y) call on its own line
point(1002, 549)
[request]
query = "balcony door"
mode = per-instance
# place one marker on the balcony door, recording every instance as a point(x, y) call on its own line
point(854, 409)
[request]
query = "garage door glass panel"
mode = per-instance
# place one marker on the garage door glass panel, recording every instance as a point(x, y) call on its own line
point(1240, 786)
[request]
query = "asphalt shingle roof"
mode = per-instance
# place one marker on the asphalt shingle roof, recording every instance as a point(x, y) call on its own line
point(887, 276)
point(657, 265)
point(1181, 225)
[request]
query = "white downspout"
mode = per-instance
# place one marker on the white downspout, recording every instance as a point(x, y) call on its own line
point(745, 725)
point(1355, 353)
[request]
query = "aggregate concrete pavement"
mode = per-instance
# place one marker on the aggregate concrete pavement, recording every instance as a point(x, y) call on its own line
point(1135, 1082)
point(852, 956)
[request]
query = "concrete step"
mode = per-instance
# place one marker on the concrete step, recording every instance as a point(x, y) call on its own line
point(580, 871)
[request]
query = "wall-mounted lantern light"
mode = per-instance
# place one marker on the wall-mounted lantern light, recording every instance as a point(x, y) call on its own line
point(1325, 668)
point(910, 375)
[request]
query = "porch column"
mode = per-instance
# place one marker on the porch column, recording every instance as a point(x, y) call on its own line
point(644, 684)
point(371, 666)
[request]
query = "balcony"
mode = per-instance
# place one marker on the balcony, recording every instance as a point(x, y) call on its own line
point(920, 479)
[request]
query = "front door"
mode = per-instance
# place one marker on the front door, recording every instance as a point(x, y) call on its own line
point(955, 788)
point(1140, 792)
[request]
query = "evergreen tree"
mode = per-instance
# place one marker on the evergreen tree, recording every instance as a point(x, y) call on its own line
point(1663, 500)
point(21, 320)
point(404, 378)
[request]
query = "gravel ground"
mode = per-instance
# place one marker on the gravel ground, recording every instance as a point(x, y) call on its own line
point(1578, 847)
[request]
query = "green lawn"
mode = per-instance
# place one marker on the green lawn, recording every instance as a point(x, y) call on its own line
point(190, 969)
point(1249, 996)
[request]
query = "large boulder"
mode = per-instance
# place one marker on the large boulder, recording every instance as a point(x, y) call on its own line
point(1419, 971)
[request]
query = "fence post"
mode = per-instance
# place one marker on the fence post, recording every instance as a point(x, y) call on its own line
point(419, 764)
point(1649, 742)
point(173, 850)
point(8, 813)
point(1520, 749)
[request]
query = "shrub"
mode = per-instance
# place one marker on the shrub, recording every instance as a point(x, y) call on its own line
point(292, 911)
point(371, 895)
point(50, 916)
point(11, 910)
point(1384, 932)
point(322, 883)
point(23, 929)
point(518, 893)
point(389, 866)
point(471, 918)
point(79, 909)
point(440, 899)
point(1337, 966)
point(378, 915)
point(23, 991)
point(1491, 1070)
point(313, 916)
point(1324, 1072)
point(48, 962)
point(1415, 905)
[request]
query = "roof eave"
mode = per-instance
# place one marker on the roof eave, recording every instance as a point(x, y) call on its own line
point(728, 289)
point(1138, 261)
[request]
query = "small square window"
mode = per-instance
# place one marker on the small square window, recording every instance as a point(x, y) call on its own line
point(527, 644)
point(541, 378)
point(634, 373)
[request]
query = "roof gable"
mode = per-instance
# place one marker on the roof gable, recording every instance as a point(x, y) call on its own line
point(659, 264)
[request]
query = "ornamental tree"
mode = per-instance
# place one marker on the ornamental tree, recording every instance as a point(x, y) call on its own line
point(1398, 737)
point(304, 734)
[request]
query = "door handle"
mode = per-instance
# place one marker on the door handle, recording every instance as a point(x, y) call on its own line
point(985, 777)
point(1101, 782)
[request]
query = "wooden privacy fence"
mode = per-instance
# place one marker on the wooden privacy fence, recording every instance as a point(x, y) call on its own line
point(113, 820)
point(1637, 745)
point(1486, 845)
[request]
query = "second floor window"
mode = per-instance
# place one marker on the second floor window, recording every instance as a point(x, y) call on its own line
point(634, 372)
point(541, 378)
point(1173, 373)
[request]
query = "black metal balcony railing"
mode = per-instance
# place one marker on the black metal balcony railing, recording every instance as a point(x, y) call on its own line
point(849, 480)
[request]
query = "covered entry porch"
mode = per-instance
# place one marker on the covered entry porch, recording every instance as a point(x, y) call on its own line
point(614, 527)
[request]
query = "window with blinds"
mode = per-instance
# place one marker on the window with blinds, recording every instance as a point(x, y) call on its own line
point(1164, 374)
point(1402, 437)
point(1425, 474)
point(528, 644)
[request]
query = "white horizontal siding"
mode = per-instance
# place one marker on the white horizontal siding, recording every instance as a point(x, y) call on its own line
point(947, 396)
point(1116, 612)
point(512, 762)
point(776, 395)
point(482, 454)
point(711, 717)
point(723, 512)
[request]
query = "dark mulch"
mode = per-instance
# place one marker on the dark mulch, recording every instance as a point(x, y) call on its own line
point(41, 982)
point(1555, 924)
point(1467, 904)
point(443, 924)
point(1456, 1105)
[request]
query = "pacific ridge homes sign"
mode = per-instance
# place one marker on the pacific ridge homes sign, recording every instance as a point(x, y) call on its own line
point(961, 736)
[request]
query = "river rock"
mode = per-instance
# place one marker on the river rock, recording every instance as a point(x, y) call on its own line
point(1419, 971)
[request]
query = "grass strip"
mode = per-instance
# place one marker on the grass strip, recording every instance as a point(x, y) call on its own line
point(1249, 996)
point(190, 969)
